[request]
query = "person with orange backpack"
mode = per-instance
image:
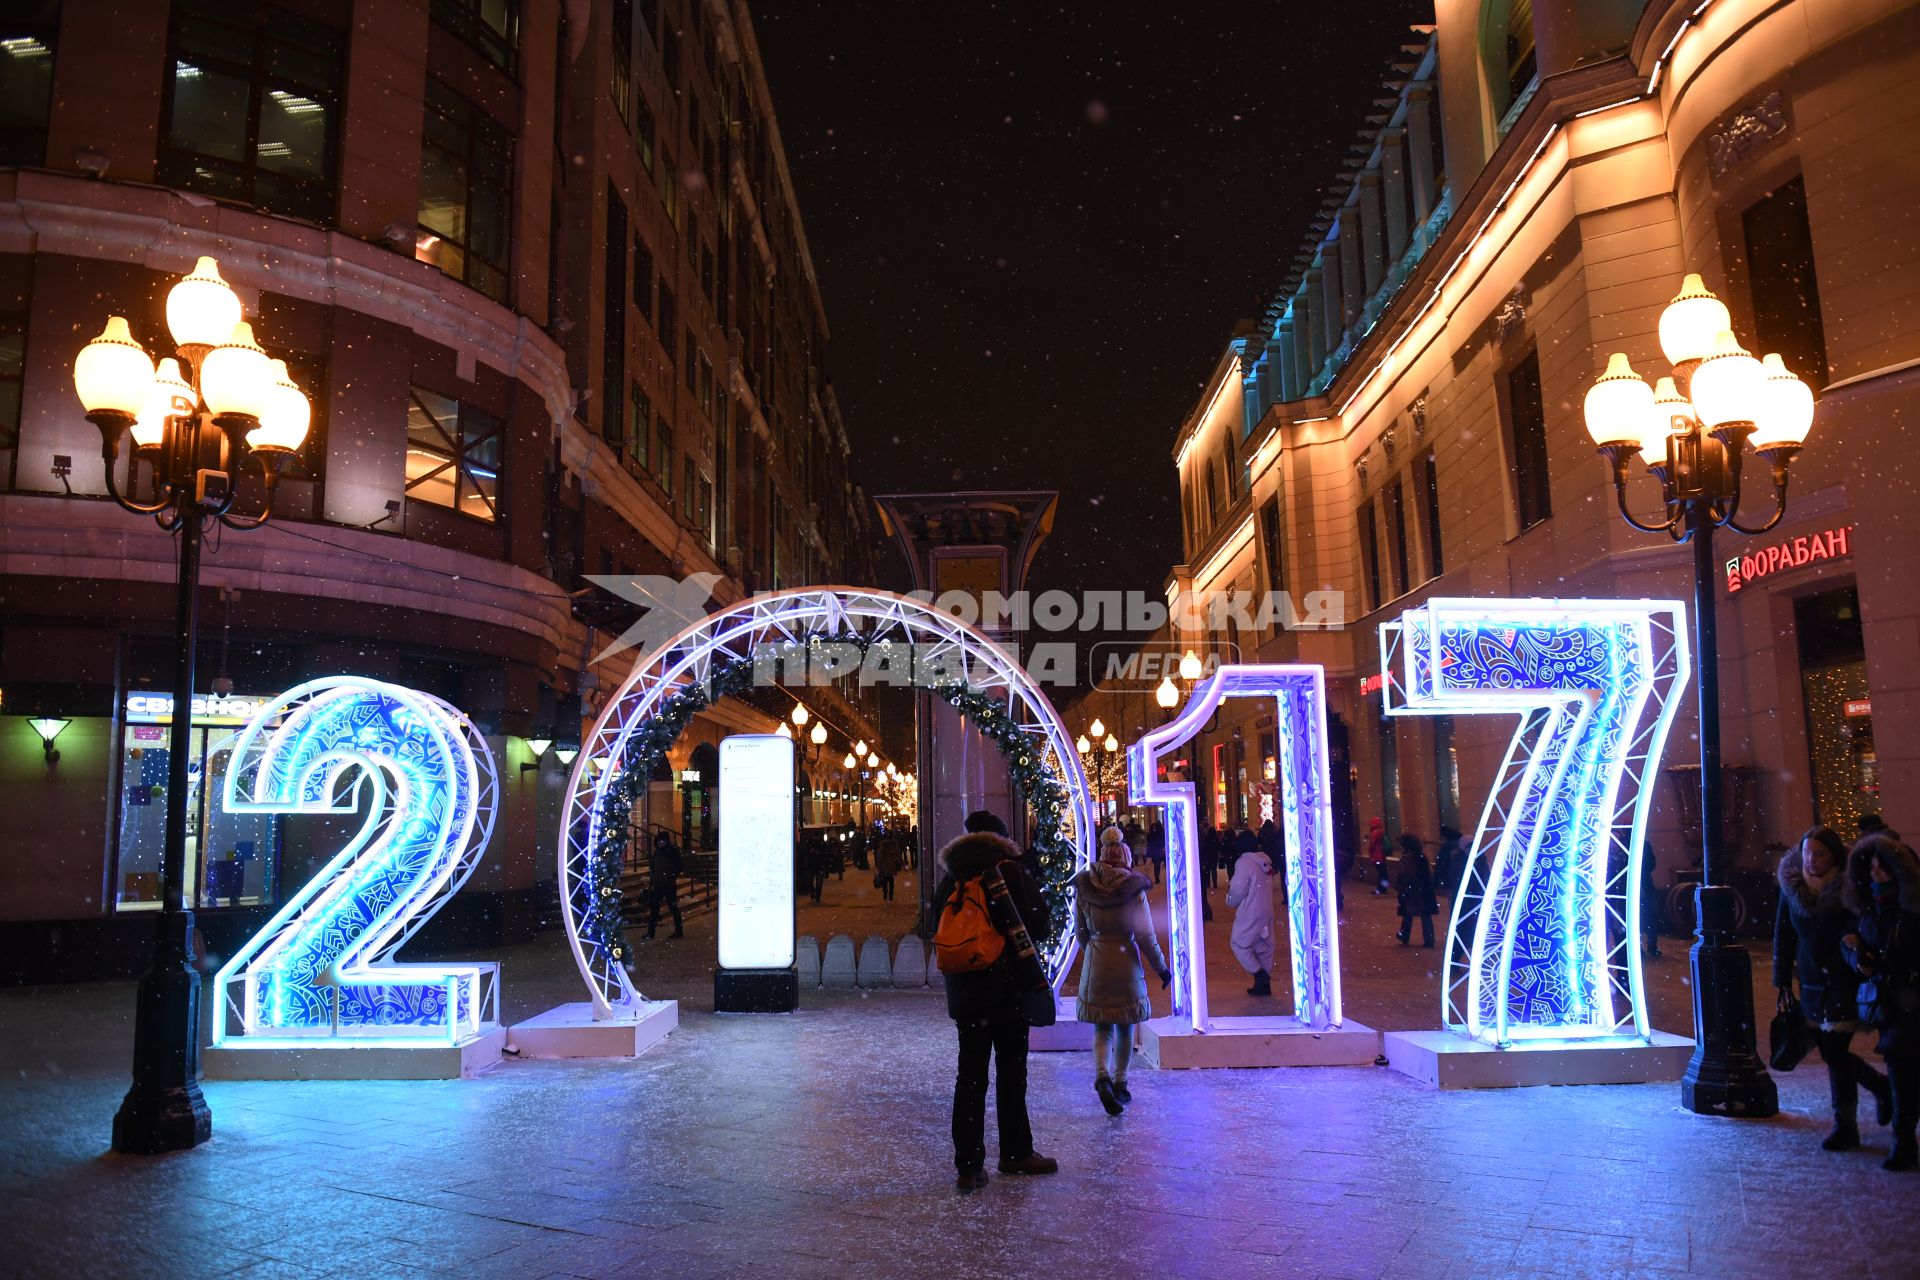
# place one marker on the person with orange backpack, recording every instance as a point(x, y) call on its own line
point(989, 917)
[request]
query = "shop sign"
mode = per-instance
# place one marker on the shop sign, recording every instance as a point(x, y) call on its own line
point(1789, 553)
point(1856, 707)
point(1372, 684)
point(690, 775)
point(157, 708)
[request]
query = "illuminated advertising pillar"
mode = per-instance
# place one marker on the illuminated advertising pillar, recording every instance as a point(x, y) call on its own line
point(756, 973)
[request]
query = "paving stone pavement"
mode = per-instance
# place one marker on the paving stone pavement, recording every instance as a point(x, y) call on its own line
point(815, 1144)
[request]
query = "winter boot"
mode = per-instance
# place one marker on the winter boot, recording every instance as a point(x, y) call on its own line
point(1905, 1156)
point(1108, 1099)
point(1845, 1137)
point(1123, 1093)
point(1262, 984)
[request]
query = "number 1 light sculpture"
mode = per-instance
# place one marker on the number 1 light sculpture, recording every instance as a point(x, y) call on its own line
point(1692, 431)
point(219, 404)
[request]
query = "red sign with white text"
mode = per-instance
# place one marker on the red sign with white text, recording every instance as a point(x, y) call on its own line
point(1790, 553)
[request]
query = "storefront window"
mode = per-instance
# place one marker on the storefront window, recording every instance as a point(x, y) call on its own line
point(233, 860)
point(1839, 706)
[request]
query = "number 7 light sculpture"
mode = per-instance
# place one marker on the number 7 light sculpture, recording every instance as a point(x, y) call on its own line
point(1300, 697)
point(1544, 937)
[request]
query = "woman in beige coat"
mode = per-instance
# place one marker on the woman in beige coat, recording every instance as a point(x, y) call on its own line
point(1116, 947)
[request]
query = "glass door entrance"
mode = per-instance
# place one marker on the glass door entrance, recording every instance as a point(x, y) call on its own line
point(232, 859)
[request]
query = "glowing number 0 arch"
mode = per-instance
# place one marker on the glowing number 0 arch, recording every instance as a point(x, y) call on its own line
point(940, 642)
point(1300, 697)
point(1544, 939)
point(321, 971)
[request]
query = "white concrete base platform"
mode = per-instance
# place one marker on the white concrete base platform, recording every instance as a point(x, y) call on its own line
point(333, 1060)
point(1170, 1044)
point(1449, 1060)
point(1067, 1035)
point(569, 1031)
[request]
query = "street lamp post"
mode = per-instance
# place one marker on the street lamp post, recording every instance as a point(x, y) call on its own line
point(1692, 432)
point(196, 429)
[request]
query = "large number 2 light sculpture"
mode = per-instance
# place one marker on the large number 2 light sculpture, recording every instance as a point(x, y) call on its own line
point(321, 972)
point(1300, 697)
point(1543, 941)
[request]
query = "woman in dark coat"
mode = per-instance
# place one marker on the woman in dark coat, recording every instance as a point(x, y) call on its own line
point(1883, 888)
point(1812, 919)
point(1415, 887)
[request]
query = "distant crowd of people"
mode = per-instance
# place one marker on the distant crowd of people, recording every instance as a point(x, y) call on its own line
point(824, 853)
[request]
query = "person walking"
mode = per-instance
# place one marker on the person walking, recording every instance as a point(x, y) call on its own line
point(1273, 843)
point(886, 865)
point(1652, 917)
point(663, 883)
point(1449, 861)
point(1117, 945)
point(1808, 925)
point(1157, 848)
point(984, 1001)
point(1377, 854)
point(1883, 889)
point(1250, 894)
point(1414, 885)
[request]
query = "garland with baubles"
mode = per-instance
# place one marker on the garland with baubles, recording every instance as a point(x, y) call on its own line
point(1035, 783)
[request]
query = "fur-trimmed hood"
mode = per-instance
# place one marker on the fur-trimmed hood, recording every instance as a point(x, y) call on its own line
point(974, 853)
point(1105, 885)
point(1791, 875)
point(1906, 872)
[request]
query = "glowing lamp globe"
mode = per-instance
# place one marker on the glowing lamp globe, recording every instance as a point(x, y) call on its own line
point(1112, 743)
point(1619, 406)
point(849, 762)
point(1097, 729)
point(799, 715)
point(1787, 413)
point(1672, 416)
point(236, 377)
point(819, 734)
point(1692, 321)
point(1730, 385)
point(860, 747)
point(783, 730)
point(113, 373)
point(173, 397)
point(873, 760)
point(1190, 668)
point(1082, 745)
point(1166, 693)
point(283, 427)
point(201, 309)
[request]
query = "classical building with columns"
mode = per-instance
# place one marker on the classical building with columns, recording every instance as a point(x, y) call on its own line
point(1405, 420)
point(541, 269)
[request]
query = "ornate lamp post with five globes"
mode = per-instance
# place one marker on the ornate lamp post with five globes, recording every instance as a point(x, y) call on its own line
point(216, 406)
point(1692, 431)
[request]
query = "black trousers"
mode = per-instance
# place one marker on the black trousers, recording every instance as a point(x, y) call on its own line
point(886, 888)
point(1847, 1074)
point(671, 897)
point(1426, 929)
point(1001, 1035)
point(1904, 1078)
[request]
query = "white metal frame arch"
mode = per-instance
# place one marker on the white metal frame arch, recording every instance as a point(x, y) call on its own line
point(736, 633)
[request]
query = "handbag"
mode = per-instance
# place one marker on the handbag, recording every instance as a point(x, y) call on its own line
point(1037, 1007)
point(1789, 1039)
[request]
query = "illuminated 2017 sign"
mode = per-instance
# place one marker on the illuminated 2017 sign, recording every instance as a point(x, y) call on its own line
point(1543, 938)
point(1300, 696)
point(321, 972)
point(1789, 553)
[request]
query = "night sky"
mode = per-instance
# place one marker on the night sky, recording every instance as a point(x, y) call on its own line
point(1035, 226)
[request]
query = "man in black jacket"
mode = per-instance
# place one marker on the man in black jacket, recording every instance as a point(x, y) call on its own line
point(663, 883)
point(986, 1009)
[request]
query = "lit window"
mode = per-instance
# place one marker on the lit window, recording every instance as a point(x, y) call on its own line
point(27, 33)
point(252, 108)
point(453, 454)
point(465, 159)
